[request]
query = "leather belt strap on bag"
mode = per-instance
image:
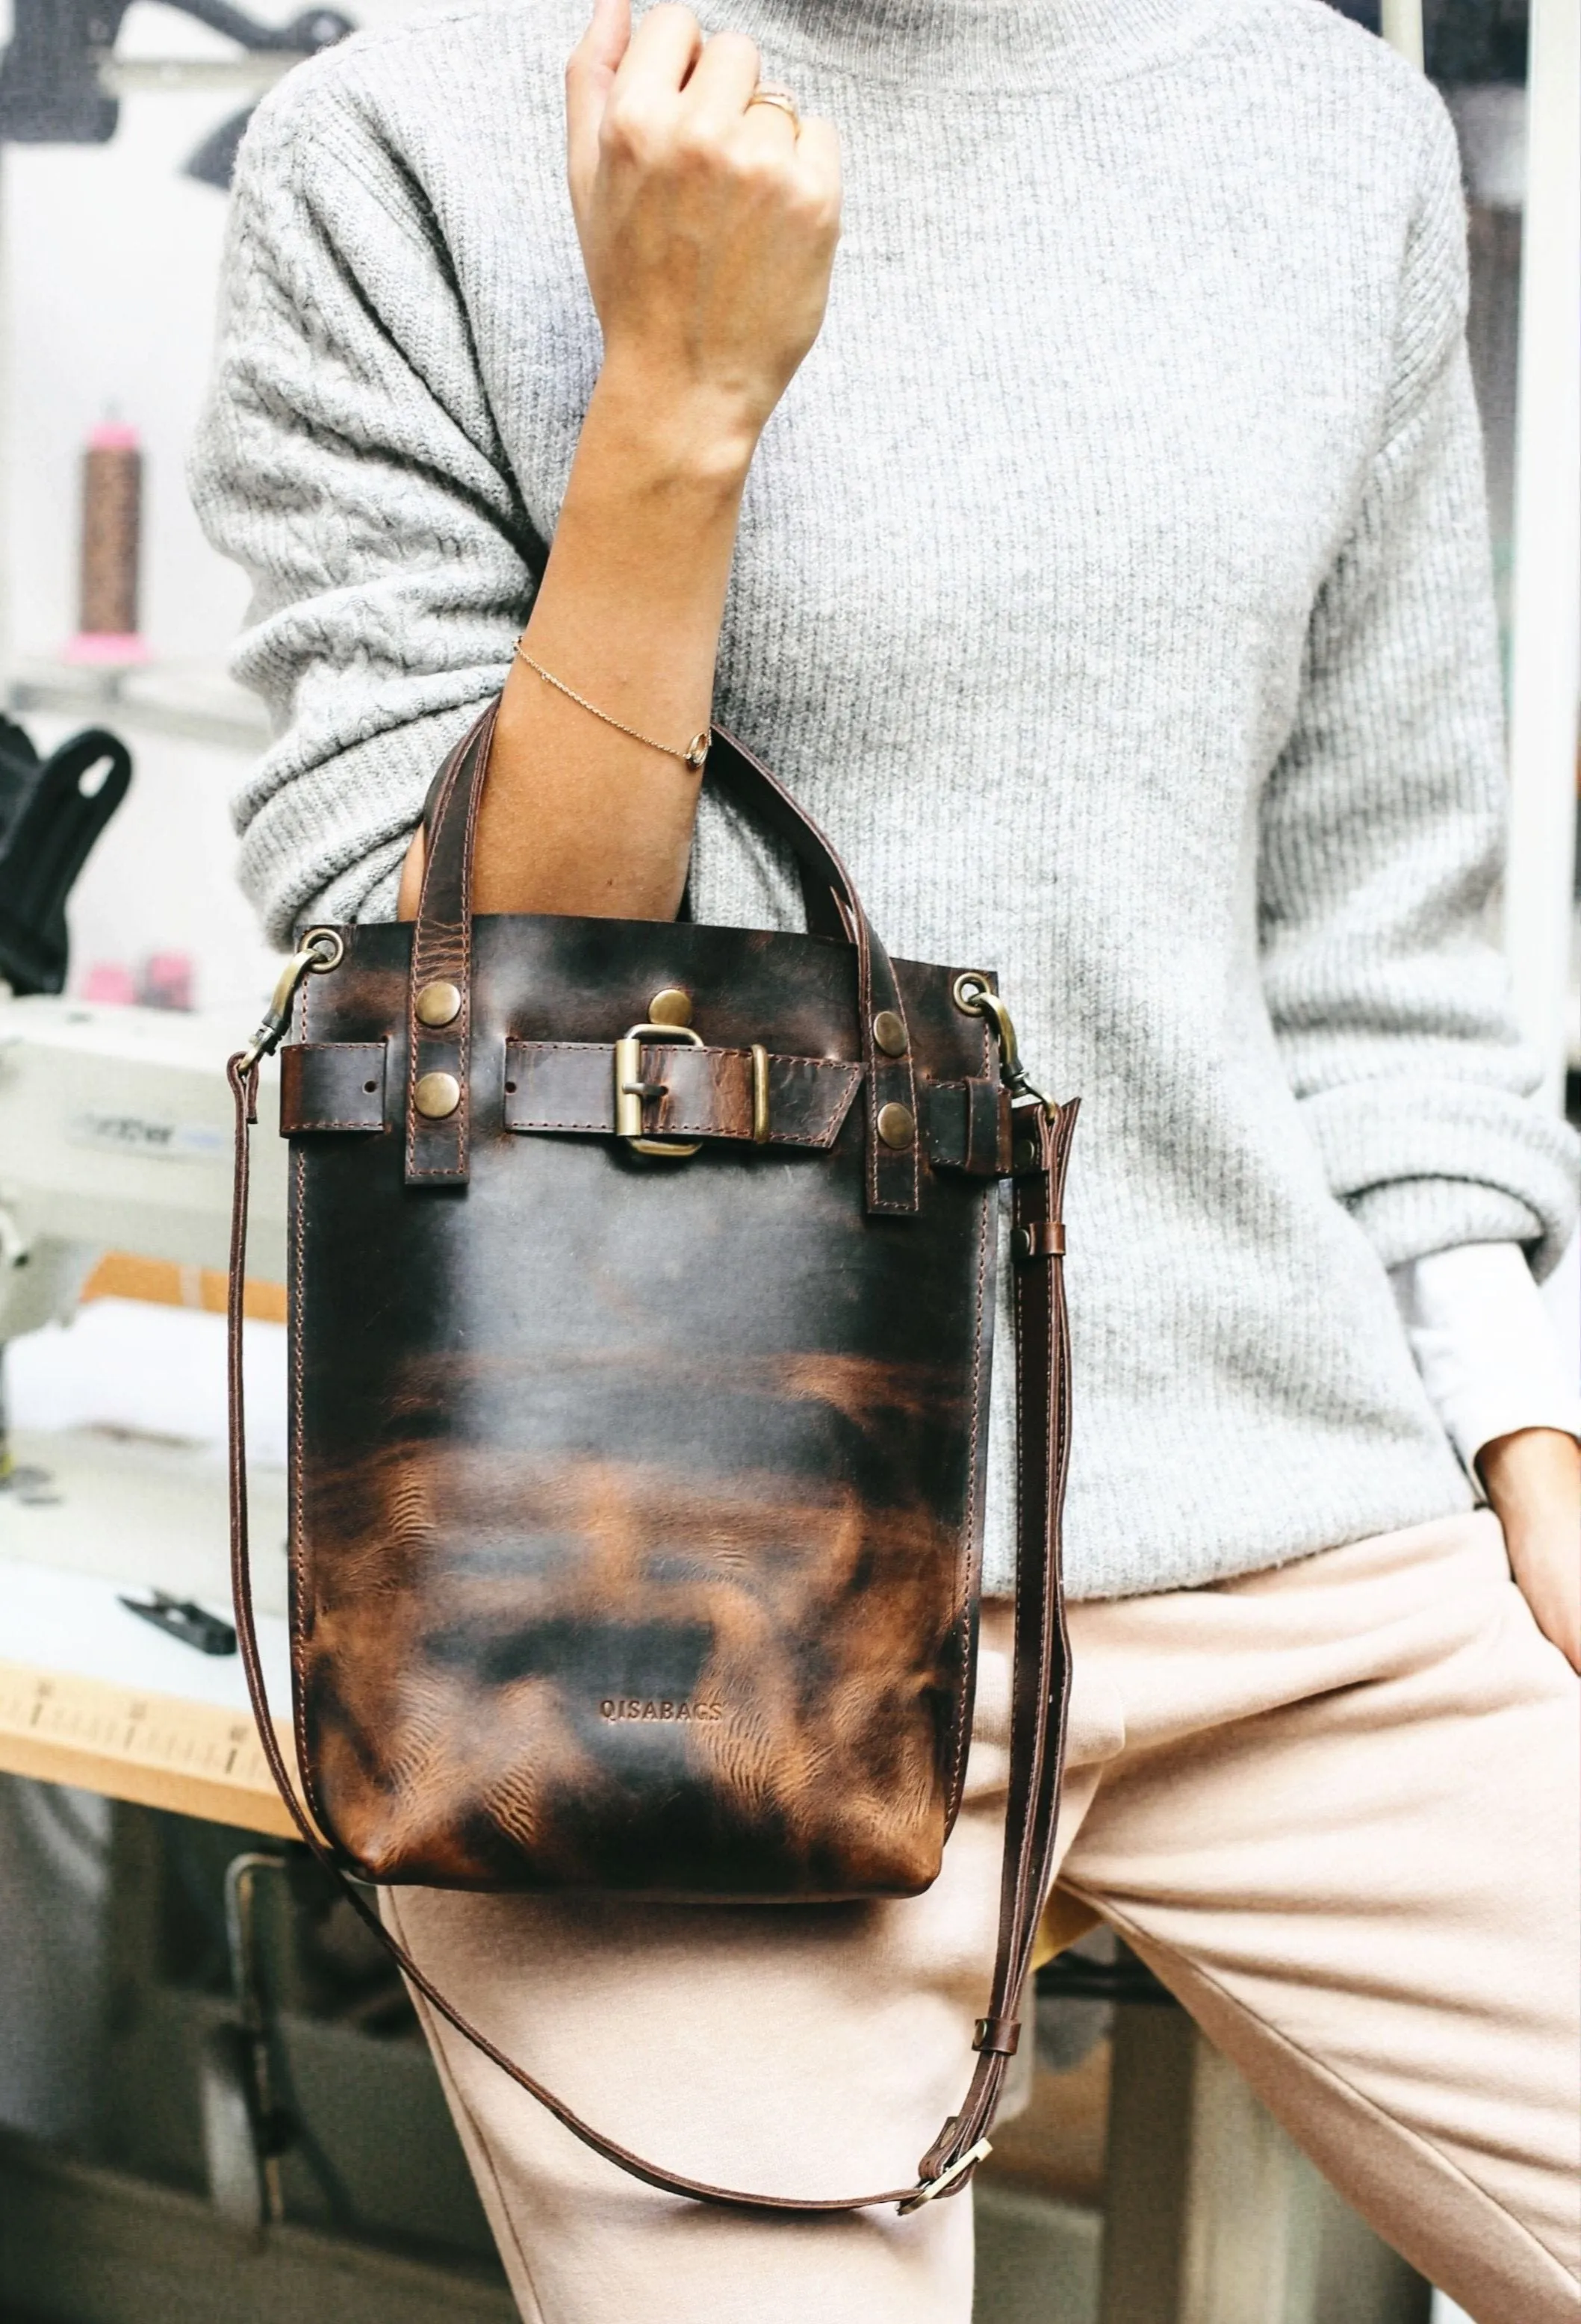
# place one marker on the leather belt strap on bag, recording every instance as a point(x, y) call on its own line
point(1040, 1690)
point(747, 1096)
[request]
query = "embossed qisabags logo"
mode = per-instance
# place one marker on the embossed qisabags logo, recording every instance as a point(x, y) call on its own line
point(636, 1706)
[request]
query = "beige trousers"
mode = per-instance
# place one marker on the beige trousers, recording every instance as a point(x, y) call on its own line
point(1334, 1806)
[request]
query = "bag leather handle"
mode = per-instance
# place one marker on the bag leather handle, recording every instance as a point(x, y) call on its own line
point(1038, 1686)
point(441, 950)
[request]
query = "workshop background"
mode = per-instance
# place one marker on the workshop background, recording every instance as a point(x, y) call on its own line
point(213, 2099)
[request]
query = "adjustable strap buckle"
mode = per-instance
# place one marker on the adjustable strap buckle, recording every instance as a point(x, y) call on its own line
point(632, 1090)
point(947, 2178)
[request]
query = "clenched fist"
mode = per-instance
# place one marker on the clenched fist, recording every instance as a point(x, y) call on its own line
point(708, 222)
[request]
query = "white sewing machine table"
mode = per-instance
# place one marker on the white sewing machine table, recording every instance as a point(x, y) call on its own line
point(90, 1693)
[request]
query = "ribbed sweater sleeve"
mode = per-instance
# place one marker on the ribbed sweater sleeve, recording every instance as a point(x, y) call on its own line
point(348, 461)
point(1382, 826)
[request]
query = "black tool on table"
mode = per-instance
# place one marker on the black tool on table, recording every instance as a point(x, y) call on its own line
point(179, 1617)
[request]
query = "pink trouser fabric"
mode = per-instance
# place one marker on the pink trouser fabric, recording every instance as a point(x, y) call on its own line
point(1335, 1806)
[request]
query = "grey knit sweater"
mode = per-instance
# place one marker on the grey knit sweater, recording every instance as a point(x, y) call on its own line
point(1112, 585)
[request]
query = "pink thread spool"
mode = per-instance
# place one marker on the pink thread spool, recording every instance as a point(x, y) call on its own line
point(111, 525)
point(166, 981)
point(109, 982)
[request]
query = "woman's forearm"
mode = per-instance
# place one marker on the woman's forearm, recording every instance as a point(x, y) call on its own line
point(576, 816)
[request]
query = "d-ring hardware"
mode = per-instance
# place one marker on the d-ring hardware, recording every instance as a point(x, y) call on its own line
point(974, 996)
point(322, 950)
point(631, 1090)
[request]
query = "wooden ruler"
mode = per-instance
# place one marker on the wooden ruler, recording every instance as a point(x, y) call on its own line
point(159, 1750)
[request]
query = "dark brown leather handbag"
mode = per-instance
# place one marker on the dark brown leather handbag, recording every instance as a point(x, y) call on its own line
point(642, 1304)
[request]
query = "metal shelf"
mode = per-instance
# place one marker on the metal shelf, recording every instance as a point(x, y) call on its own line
point(192, 701)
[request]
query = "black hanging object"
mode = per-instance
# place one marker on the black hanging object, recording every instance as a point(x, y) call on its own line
point(50, 92)
point(214, 162)
point(52, 810)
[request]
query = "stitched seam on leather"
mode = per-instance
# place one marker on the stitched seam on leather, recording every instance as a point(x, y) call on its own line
point(606, 1127)
point(296, 1590)
point(426, 956)
point(464, 1035)
point(849, 1076)
point(988, 1220)
point(417, 965)
point(363, 1122)
point(1056, 1448)
point(851, 1073)
point(670, 1128)
point(869, 1054)
point(1143, 1942)
point(1046, 1292)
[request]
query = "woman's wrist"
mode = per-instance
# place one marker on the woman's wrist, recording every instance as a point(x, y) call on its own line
point(1533, 1482)
point(1533, 1473)
point(661, 436)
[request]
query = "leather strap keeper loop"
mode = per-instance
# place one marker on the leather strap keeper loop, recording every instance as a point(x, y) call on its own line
point(1040, 1239)
point(332, 1086)
point(1002, 2036)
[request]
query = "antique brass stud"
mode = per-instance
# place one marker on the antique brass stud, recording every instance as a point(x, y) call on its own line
point(439, 1003)
point(889, 1031)
point(895, 1126)
point(670, 1006)
point(436, 1096)
point(1022, 1154)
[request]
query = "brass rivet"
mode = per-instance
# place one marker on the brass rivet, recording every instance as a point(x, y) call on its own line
point(670, 1006)
point(890, 1032)
point(1020, 1244)
point(895, 1126)
point(436, 1096)
point(439, 1003)
point(1022, 1154)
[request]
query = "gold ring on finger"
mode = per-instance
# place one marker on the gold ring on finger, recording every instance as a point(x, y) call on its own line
point(781, 99)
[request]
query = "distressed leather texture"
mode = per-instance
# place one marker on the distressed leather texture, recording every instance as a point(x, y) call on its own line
point(636, 1502)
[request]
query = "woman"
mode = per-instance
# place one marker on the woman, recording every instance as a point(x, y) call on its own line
point(1108, 576)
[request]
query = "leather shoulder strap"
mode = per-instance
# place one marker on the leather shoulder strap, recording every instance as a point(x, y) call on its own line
point(1039, 1690)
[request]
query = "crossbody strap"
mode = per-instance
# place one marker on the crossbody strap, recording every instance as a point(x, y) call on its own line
point(1039, 1688)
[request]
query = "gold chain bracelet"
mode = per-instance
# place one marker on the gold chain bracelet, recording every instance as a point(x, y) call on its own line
point(694, 754)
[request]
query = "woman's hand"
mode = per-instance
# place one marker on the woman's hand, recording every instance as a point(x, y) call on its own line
point(1534, 1481)
point(707, 223)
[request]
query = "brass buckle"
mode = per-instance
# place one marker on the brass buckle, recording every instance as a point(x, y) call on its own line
point(964, 2162)
point(631, 1090)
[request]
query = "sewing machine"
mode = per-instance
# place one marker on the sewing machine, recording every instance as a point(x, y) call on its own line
point(116, 1132)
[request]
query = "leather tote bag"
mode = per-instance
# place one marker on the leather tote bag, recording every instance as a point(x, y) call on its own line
point(641, 1317)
